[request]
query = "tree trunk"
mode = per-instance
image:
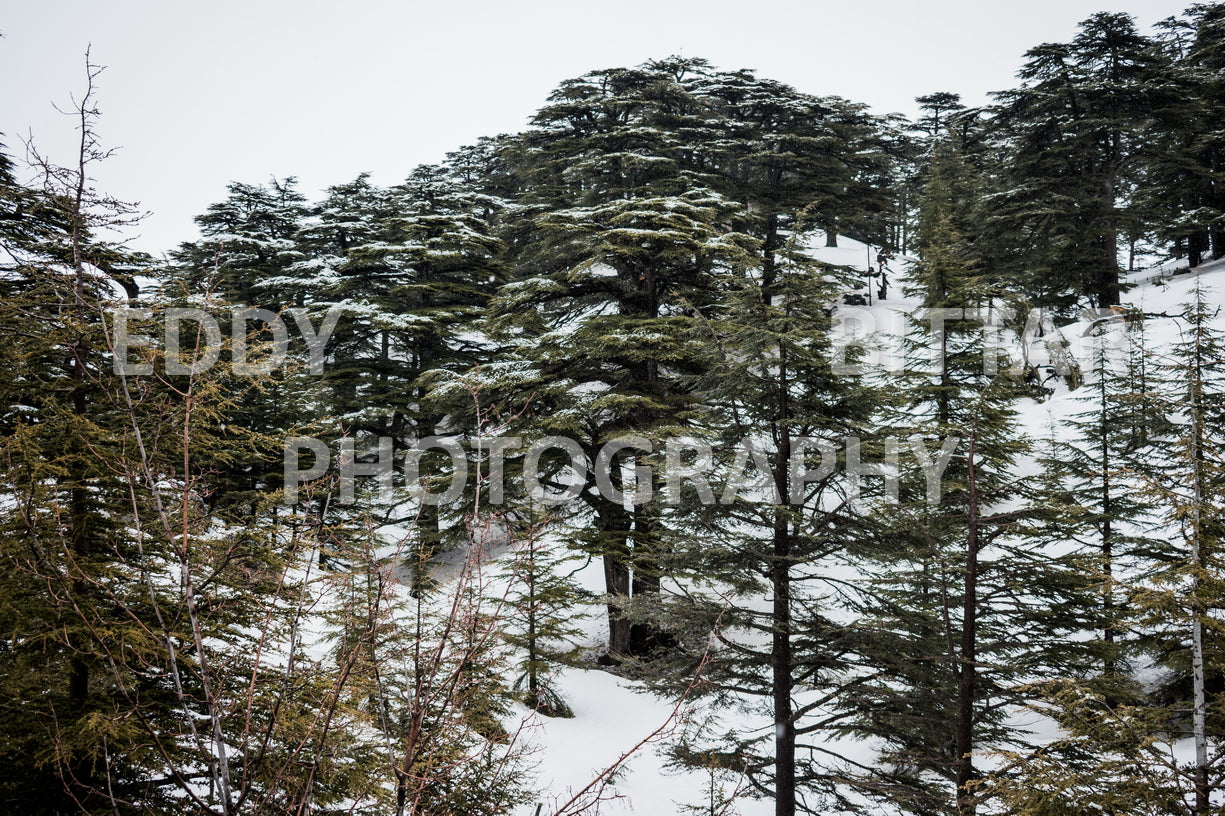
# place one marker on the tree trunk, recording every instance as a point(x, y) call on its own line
point(533, 658)
point(1106, 283)
point(1216, 201)
point(1199, 710)
point(781, 669)
point(617, 585)
point(1195, 248)
point(613, 524)
point(81, 784)
point(966, 687)
point(780, 584)
point(647, 637)
point(768, 262)
point(1108, 634)
point(1216, 239)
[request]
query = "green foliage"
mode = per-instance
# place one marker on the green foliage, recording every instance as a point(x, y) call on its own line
point(769, 379)
point(540, 623)
point(970, 607)
point(1075, 135)
point(173, 638)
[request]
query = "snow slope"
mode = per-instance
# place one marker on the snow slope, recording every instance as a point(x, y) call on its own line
point(613, 714)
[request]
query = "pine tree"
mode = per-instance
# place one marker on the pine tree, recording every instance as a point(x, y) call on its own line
point(454, 755)
point(247, 239)
point(616, 236)
point(1119, 753)
point(62, 528)
point(1075, 133)
point(150, 646)
point(1096, 474)
point(1182, 194)
point(400, 277)
point(972, 609)
point(1192, 496)
point(411, 267)
point(913, 145)
point(781, 152)
point(247, 245)
point(541, 614)
point(770, 383)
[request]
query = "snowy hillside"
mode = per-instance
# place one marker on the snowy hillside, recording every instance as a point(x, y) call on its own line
point(612, 714)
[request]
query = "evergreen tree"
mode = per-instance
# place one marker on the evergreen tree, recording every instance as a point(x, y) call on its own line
point(248, 242)
point(1183, 195)
point(972, 609)
point(411, 279)
point(1075, 133)
point(780, 152)
point(914, 143)
point(1120, 753)
point(62, 525)
point(617, 238)
point(247, 238)
point(400, 277)
point(770, 383)
point(937, 109)
point(1096, 474)
point(541, 613)
point(152, 658)
point(1191, 494)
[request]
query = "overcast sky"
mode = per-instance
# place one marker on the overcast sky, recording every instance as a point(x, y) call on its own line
point(201, 94)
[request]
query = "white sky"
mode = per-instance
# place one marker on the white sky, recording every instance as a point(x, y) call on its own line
point(202, 94)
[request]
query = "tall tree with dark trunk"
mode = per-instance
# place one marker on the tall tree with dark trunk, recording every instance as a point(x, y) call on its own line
point(618, 234)
point(781, 527)
point(1183, 195)
point(1074, 132)
point(971, 608)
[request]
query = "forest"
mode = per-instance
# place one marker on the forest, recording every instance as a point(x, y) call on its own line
point(309, 515)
